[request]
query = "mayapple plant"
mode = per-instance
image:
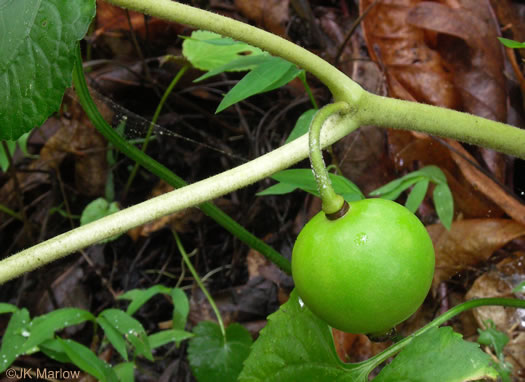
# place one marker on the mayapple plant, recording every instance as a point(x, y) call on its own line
point(351, 263)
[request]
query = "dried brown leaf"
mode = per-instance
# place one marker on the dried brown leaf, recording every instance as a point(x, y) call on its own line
point(414, 71)
point(468, 243)
point(271, 15)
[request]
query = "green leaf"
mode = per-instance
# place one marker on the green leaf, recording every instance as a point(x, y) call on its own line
point(98, 209)
point(416, 196)
point(131, 329)
point(43, 327)
point(166, 336)
point(213, 358)
point(139, 297)
point(4, 157)
point(520, 288)
point(304, 180)
point(7, 308)
point(87, 361)
point(444, 203)
point(434, 173)
point(511, 43)
point(302, 125)
point(438, 352)
point(125, 371)
point(181, 308)
point(114, 337)
point(259, 80)
point(493, 338)
point(37, 50)
point(278, 189)
point(392, 192)
point(54, 350)
point(296, 345)
point(207, 50)
point(239, 64)
point(14, 337)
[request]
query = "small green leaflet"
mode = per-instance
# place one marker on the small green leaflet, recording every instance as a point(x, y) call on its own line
point(290, 180)
point(302, 125)
point(98, 209)
point(211, 52)
point(511, 43)
point(443, 200)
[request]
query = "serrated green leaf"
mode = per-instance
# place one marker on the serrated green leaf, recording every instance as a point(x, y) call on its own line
point(511, 43)
point(207, 50)
point(125, 371)
point(87, 361)
point(438, 352)
point(258, 80)
point(114, 337)
point(181, 308)
point(213, 358)
point(444, 203)
point(131, 329)
point(166, 336)
point(302, 125)
point(416, 196)
point(139, 297)
point(296, 345)
point(14, 337)
point(43, 327)
point(37, 49)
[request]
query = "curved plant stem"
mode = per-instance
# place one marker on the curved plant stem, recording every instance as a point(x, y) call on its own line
point(338, 83)
point(191, 195)
point(332, 202)
point(200, 284)
point(144, 147)
point(164, 173)
point(405, 115)
point(368, 108)
point(375, 361)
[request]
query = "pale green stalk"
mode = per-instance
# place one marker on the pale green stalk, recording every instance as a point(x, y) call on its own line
point(365, 109)
point(283, 157)
point(332, 203)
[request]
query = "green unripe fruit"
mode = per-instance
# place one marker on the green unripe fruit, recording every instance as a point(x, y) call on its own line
point(366, 271)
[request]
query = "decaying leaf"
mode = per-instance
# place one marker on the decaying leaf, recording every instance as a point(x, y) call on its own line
point(499, 282)
point(468, 243)
point(271, 15)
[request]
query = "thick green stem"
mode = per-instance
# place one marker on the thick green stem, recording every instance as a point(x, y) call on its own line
point(164, 173)
point(405, 115)
point(378, 359)
point(331, 202)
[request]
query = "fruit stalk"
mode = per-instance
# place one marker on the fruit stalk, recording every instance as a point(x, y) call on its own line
point(332, 203)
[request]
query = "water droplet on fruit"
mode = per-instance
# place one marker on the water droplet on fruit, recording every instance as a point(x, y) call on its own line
point(301, 303)
point(361, 238)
